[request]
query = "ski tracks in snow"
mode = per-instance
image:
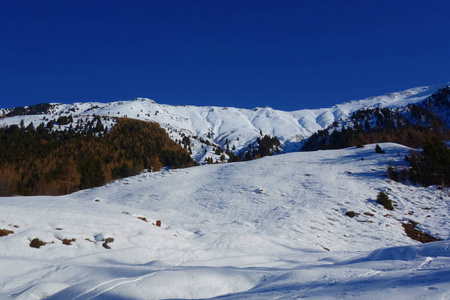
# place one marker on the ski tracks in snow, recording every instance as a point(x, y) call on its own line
point(86, 294)
point(106, 286)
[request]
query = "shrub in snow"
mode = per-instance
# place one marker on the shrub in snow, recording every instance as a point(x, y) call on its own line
point(351, 214)
point(378, 149)
point(37, 243)
point(384, 200)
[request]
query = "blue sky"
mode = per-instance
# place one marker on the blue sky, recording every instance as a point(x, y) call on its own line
point(288, 55)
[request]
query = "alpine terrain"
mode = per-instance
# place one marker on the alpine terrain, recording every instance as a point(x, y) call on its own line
point(362, 216)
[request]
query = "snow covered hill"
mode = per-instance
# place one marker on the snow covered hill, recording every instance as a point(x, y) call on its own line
point(270, 228)
point(209, 127)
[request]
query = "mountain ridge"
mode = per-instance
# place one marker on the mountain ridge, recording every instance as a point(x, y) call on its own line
point(237, 126)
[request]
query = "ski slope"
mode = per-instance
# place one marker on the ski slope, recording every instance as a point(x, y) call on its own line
point(264, 229)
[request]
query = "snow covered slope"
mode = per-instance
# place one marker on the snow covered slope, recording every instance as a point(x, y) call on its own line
point(269, 228)
point(217, 125)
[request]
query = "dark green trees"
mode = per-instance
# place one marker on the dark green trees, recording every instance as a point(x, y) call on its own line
point(91, 173)
point(267, 146)
point(384, 200)
point(432, 165)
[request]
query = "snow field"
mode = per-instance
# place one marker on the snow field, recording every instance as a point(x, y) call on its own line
point(270, 228)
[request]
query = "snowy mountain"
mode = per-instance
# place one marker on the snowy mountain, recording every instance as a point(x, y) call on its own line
point(408, 125)
point(211, 127)
point(297, 225)
point(277, 227)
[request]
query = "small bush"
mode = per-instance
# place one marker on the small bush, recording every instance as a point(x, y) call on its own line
point(379, 150)
point(384, 200)
point(37, 243)
point(351, 214)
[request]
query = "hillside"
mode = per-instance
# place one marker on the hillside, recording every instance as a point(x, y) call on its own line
point(277, 227)
point(46, 161)
point(408, 125)
point(203, 130)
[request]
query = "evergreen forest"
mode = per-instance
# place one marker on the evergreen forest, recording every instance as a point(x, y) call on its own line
point(42, 161)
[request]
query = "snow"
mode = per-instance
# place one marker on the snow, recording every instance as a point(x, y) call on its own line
point(269, 228)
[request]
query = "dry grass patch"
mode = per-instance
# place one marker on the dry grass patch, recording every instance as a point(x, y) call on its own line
point(67, 241)
point(416, 234)
point(5, 232)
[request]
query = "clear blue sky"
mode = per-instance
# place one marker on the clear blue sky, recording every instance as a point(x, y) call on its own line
point(285, 54)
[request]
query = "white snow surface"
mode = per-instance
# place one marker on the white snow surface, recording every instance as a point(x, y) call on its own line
point(273, 228)
point(240, 127)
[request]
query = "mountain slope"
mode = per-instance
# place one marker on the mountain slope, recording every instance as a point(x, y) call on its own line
point(408, 125)
point(221, 126)
point(268, 228)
